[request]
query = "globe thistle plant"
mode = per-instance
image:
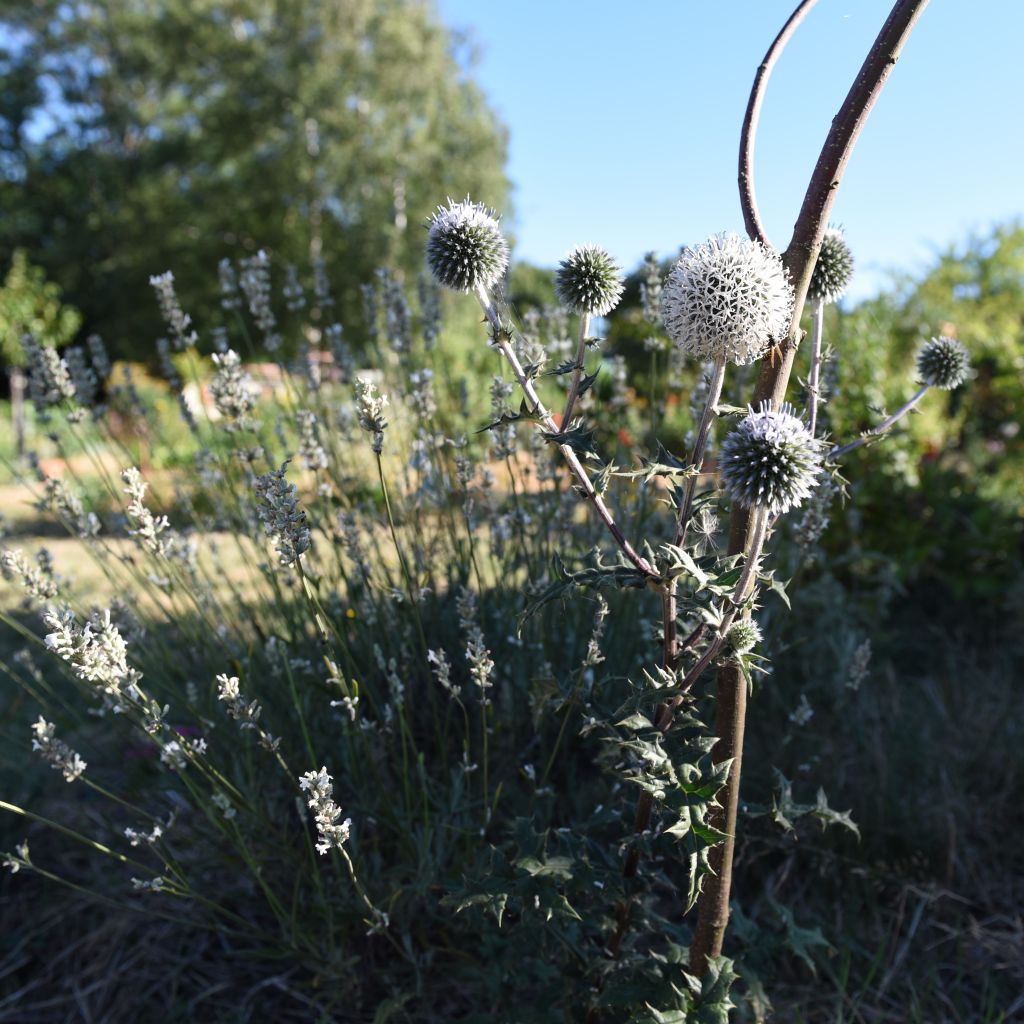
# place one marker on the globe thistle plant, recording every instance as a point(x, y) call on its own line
point(943, 363)
point(726, 300)
point(770, 461)
point(466, 250)
point(588, 281)
point(743, 636)
point(833, 270)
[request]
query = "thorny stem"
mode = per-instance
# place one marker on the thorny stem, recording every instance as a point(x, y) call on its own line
point(664, 715)
point(799, 259)
point(538, 408)
point(748, 198)
point(869, 435)
point(577, 373)
point(699, 446)
point(815, 370)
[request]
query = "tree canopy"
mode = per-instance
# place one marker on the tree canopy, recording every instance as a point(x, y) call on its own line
point(147, 135)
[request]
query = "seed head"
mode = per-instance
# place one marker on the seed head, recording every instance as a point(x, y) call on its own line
point(834, 268)
point(770, 460)
point(943, 363)
point(465, 246)
point(743, 636)
point(588, 281)
point(727, 299)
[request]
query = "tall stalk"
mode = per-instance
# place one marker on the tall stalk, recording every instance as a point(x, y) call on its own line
point(799, 259)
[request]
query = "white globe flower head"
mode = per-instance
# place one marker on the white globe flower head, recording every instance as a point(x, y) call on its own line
point(770, 460)
point(465, 247)
point(589, 281)
point(727, 299)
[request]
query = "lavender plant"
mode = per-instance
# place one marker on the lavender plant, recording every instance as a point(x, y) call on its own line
point(374, 626)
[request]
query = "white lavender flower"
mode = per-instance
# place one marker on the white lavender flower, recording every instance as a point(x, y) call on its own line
point(430, 309)
point(322, 284)
point(294, 297)
point(83, 377)
point(727, 299)
point(478, 656)
point(229, 297)
point(311, 451)
point(136, 838)
point(246, 713)
point(14, 862)
point(174, 316)
point(833, 269)
point(589, 281)
point(149, 529)
point(96, 652)
point(67, 506)
point(397, 315)
point(283, 521)
point(59, 755)
point(442, 670)
point(943, 363)
point(743, 636)
point(326, 813)
point(255, 282)
point(38, 583)
point(49, 382)
point(770, 460)
point(232, 389)
point(371, 408)
point(465, 247)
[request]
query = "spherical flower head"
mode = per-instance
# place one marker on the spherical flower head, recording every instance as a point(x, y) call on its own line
point(770, 460)
point(834, 268)
point(727, 299)
point(743, 636)
point(588, 281)
point(943, 363)
point(465, 247)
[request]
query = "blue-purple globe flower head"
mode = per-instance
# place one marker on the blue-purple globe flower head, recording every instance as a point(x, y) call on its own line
point(588, 281)
point(770, 461)
point(943, 363)
point(727, 299)
point(465, 247)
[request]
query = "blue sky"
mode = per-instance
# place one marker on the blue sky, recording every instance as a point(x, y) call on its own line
point(624, 122)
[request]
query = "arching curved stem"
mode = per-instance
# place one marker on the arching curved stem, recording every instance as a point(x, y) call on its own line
point(748, 197)
point(799, 258)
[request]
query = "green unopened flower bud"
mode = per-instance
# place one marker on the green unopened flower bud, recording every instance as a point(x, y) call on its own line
point(465, 246)
point(943, 363)
point(727, 299)
point(589, 281)
point(770, 460)
point(743, 636)
point(834, 268)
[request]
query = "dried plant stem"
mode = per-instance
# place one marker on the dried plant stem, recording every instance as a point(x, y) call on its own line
point(538, 408)
point(577, 373)
point(799, 258)
point(813, 374)
point(883, 427)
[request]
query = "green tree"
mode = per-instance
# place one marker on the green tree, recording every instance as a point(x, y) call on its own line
point(151, 134)
point(29, 304)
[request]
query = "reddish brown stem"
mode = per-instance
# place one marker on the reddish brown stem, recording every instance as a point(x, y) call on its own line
point(748, 197)
point(800, 257)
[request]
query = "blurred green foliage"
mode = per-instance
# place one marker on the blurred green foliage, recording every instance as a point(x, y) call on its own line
point(29, 304)
point(158, 133)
